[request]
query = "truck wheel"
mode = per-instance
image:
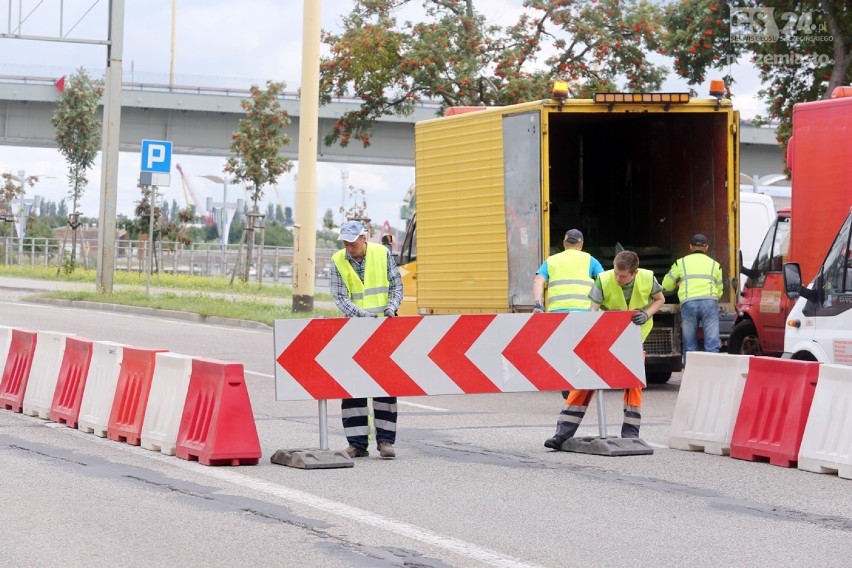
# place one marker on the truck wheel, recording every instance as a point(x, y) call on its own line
point(744, 340)
point(658, 377)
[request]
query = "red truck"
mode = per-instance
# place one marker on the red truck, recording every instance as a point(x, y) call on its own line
point(818, 157)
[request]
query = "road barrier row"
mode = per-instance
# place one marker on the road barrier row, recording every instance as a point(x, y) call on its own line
point(784, 412)
point(193, 408)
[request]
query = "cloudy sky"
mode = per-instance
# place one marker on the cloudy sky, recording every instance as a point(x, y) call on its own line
point(216, 42)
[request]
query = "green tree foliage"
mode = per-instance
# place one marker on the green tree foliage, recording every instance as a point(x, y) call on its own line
point(801, 48)
point(255, 151)
point(458, 58)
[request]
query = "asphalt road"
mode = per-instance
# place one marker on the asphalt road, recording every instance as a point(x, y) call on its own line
point(472, 486)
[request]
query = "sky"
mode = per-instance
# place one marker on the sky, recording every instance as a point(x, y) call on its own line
point(217, 43)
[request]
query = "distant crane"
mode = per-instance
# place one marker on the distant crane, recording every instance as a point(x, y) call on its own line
point(206, 216)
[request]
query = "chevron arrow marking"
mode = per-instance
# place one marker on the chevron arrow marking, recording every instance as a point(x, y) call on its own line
point(523, 351)
point(299, 359)
point(595, 349)
point(449, 354)
point(375, 357)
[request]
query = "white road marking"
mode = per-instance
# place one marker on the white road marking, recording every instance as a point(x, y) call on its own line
point(343, 510)
point(423, 406)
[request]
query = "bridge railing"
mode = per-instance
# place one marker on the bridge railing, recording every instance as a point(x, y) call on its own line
point(270, 263)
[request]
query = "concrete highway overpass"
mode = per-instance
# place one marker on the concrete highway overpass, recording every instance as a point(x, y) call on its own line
point(200, 121)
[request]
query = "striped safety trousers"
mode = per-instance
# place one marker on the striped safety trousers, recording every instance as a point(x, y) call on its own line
point(355, 420)
point(577, 404)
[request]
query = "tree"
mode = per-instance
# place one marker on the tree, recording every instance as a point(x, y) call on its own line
point(176, 231)
point(802, 48)
point(358, 208)
point(456, 57)
point(78, 136)
point(255, 152)
point(328, 220)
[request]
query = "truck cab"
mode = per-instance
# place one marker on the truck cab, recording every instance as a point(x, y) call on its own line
point(762, 307)
point(819, 327)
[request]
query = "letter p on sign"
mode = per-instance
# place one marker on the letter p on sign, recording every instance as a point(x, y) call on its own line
point(156, 156)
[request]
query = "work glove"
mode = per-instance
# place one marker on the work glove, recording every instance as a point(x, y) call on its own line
point(366, 314)
point(389, 312)
point(640, 317)
point(538, 308)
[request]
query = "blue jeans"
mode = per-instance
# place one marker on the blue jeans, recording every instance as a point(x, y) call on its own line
point(705, 312)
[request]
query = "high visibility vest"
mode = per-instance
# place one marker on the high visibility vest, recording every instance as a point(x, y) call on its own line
point(640, 298)
point(371, 294)
point(700, 278)
point(569, 283)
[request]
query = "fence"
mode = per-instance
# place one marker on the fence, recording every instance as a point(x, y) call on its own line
point(199, 259)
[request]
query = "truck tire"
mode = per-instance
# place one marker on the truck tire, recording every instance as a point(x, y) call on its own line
point(744, 339)
point(658, 377)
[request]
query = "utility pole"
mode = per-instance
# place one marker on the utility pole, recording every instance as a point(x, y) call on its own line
point(305, 245)
point(109, 153)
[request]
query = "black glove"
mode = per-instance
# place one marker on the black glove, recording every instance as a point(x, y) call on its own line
point(640, 317)
point(538, 308)
point(389, 312)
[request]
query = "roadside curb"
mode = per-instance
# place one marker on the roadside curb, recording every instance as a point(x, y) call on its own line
point(153, 312)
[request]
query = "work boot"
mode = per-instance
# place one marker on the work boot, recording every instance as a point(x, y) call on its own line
point(629, 430)
point(386, 450)
point(354, 452)
point(554, 443)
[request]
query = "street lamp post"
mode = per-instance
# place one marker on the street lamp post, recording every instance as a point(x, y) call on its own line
point(224, 227)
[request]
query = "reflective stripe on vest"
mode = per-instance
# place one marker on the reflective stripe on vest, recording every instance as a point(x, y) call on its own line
point(371, 294)
point(640, 298)
point(697, 282)
point(569, 282)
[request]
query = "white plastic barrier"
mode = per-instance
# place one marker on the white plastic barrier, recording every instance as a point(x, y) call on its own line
point(47, 358)
point(166, 400)
point(100, 387)
point(827, 441)
point(708, 402)
point(5, 341)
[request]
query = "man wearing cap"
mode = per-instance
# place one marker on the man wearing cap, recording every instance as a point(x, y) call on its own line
point(698, 279)
point(625, 287)
point(365, 282)
point(568, 277)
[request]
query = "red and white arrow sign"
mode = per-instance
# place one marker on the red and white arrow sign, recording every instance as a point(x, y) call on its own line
point(321, 359)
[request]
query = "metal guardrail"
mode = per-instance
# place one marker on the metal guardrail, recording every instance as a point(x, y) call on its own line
point(199, 259)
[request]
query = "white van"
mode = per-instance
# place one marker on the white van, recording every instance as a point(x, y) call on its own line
point(757, 212)
point(819, 327)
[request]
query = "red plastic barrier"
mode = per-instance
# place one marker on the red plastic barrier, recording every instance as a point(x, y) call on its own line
point(217, 426)
point(65, 408)
point(131, 395)
point(17, 371)
point(774, 410)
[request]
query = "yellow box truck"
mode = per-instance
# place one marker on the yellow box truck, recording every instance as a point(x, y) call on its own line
point(496, 189)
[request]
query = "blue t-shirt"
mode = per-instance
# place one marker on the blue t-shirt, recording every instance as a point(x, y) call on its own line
point(595, 268)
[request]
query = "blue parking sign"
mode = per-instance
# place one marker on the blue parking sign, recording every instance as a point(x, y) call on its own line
point(156, 156)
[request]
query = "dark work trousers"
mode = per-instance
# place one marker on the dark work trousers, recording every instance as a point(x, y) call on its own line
point(355, 426)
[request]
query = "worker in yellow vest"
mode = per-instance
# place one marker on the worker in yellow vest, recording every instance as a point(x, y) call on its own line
point(626, 287)
point(365, 282)
point(567, 276)
point(698, 279)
